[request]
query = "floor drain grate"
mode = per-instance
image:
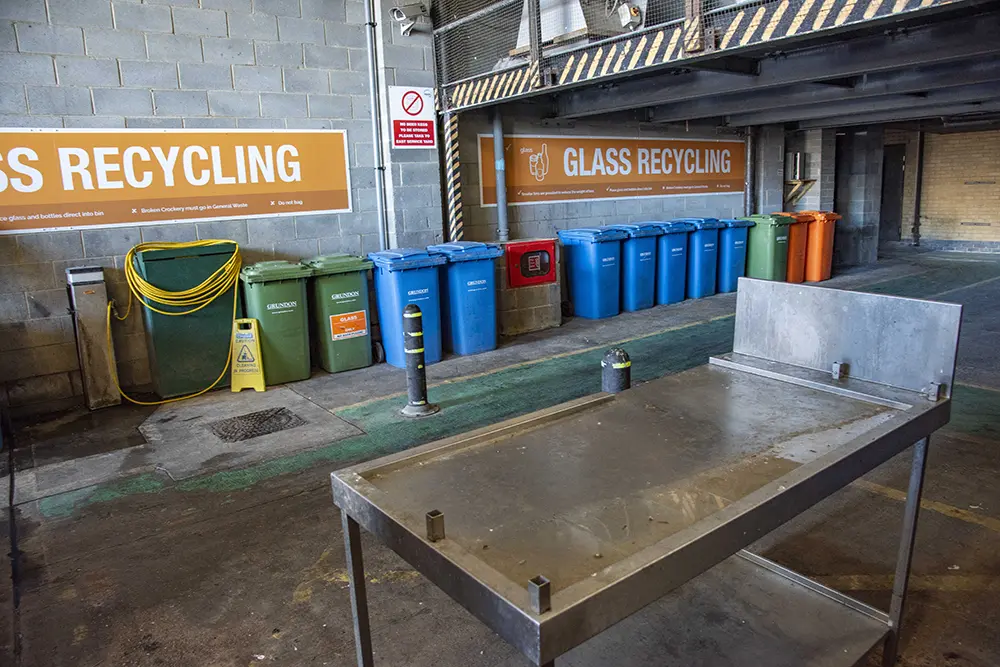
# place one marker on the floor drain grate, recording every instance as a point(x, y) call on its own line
point(255, 424)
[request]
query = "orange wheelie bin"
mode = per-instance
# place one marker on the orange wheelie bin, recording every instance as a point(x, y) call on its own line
point(798, 238)
point(819, 248)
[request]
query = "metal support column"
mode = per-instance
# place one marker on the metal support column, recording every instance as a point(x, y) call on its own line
point(359, 598)
point(503, 227)
point(694, 28)
point(535, 39)
point(905, 558)
point(453, 177)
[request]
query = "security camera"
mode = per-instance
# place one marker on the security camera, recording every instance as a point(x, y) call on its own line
point(407, 16)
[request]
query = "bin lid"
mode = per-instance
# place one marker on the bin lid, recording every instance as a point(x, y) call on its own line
point(263, 272)
point(325, 265)
point(222, 247)
point(637, 229)
point(702, 223)
point(592, 234)
point(800, 216)
point(771, 220)
point(675, 227)
point(401, 259)
point(466, 251)
point(825, 215)
point(738, 222)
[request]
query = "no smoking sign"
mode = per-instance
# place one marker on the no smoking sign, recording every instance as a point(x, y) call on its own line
point(411, 111)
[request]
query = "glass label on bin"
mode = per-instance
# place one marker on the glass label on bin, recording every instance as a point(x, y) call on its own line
point(349, 325)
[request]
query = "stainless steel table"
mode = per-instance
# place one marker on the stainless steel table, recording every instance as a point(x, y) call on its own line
point(552, 527)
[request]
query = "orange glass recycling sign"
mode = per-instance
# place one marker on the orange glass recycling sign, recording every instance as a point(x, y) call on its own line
point(554, 169)
point(65, 179)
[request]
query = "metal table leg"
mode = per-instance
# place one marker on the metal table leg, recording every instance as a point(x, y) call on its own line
point(905, 558)
point(359, 598)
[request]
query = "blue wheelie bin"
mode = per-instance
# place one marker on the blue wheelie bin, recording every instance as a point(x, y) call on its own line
point(703, 255)
point(468, 295)
point(671, 261)
point(404, 276)
point(732, 253)
point(638, 289)
point(593, 266)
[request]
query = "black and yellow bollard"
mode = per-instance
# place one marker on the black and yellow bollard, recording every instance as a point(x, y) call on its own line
point(616, 371)
point(416, 376)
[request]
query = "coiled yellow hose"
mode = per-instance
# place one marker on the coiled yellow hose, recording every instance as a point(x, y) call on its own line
point(191, 300)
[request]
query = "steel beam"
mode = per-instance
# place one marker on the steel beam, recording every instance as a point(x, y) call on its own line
point(882, 83)
point(960, 95)
point(946, 41)
point(903, 115)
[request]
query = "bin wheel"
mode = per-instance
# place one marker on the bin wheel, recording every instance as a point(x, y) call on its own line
point(378, 352)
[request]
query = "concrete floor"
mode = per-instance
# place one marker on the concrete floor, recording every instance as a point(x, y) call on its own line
point(240, 562)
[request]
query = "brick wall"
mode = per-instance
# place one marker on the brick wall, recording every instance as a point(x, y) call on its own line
point(294, 64)
point(960, 199)
point(544, 220)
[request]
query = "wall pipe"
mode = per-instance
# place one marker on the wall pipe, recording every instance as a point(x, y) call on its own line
point(377, 140)
point(750, 193)
point(918, 188)
point(503, 227)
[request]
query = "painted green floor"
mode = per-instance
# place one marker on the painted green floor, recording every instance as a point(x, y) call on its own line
point(246, 567)
point(485, 399)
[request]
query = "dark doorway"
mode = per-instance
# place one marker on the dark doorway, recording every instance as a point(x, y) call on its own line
point(893, 166)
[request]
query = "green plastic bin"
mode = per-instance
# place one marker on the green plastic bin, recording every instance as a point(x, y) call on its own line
point(187, 353)
point(275, 294)
point(341, 321)
point(767, 246)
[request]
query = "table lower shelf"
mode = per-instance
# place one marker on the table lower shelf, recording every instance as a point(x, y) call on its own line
point(740, 613)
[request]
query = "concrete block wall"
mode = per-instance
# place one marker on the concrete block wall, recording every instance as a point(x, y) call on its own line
point(960, 199)
point(818, 148)
point(911, 139)
point(858, 196)
point(298, 64)
point(770, 169)
point(544, 220)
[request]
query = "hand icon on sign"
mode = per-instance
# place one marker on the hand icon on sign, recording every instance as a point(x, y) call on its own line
point(538, 164)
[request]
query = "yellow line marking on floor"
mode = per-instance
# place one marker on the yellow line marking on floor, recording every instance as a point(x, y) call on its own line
point(959, 289)
point(987, 522)
point(945, 583)
point(532, 362)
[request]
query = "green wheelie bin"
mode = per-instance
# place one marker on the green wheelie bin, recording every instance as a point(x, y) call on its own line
point(338, 298)
point(767, 247)
point(275, 296)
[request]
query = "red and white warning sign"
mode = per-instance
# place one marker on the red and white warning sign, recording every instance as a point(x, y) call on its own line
point(411, 111)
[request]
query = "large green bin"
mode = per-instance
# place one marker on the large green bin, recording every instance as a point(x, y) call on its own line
point(275, 294)
point(767, 247)
point(338, 298)
point(187, 353)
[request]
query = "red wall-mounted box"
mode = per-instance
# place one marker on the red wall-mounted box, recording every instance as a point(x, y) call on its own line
point(531, 262)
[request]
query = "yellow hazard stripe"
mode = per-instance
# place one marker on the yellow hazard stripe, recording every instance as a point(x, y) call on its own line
point(899, 6)
point(607, 61)
point(824, 11)
point(579, 68)
point(800, 17)
point(872, 9)
point(845, 12)
point(621, 58)
point(755, 22)
point(638, 52)
point(775, 19)
point(627, 364)
point(670, 47)
point(412, 315)
point(566, 69)
point(653, 48)
point(733, 27)
point(416, 351)
point(595, 62)
point(414, 334)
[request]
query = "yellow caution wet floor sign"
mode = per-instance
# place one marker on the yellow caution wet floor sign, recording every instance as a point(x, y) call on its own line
point(248, 370)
